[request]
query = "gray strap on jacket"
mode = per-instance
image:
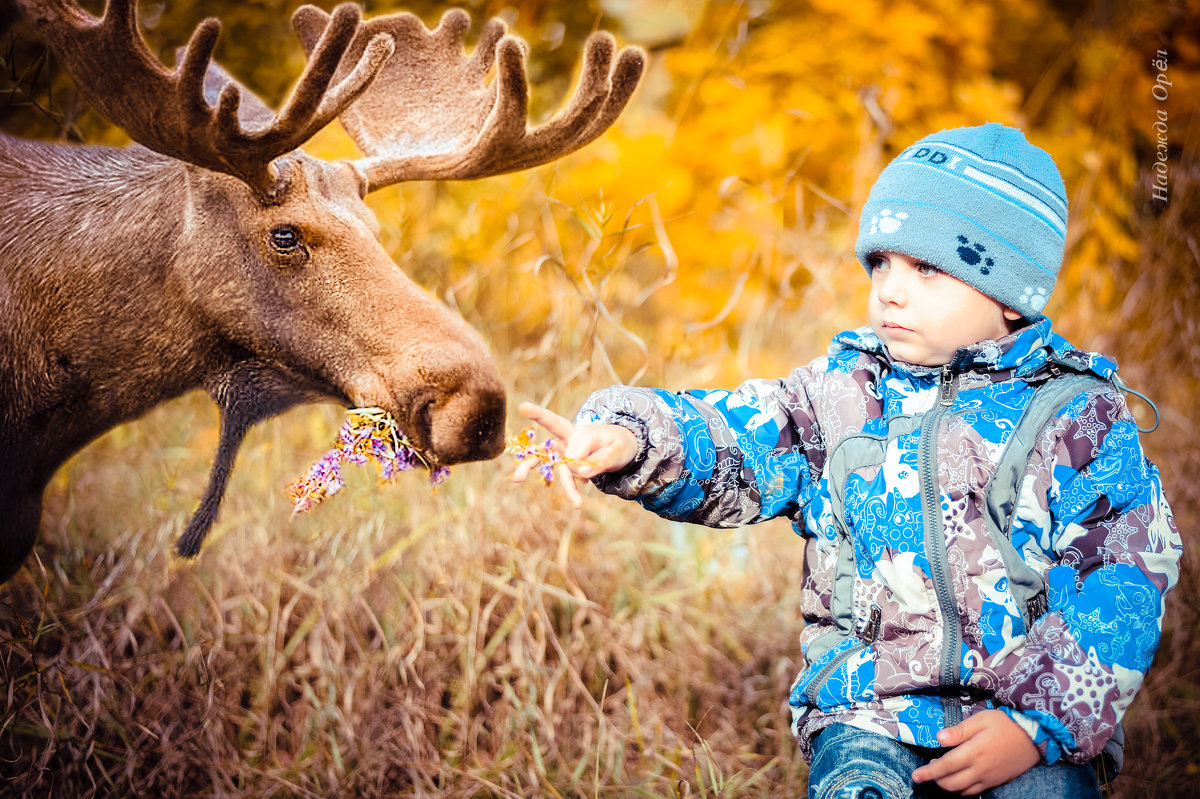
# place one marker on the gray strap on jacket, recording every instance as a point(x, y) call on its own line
point(1004, 488)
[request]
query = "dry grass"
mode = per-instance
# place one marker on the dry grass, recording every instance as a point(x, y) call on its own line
point(1161, 353)
point(482, 640)
point(477, 640)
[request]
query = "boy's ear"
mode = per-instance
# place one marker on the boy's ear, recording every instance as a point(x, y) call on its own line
point(1014, 320)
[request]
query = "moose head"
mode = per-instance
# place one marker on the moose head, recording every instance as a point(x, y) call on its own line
point(218, 255)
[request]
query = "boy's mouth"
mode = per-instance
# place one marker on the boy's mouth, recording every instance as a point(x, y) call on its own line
point(894, 326)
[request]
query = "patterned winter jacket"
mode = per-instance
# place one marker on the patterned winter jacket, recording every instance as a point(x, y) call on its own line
point(924, 630)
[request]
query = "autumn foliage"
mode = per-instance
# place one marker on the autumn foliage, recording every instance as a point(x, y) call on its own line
point(486, 640)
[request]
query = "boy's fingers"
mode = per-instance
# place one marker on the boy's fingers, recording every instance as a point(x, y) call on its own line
point(616, 456)
point(963, 731)
point(522, 471)
point(582, 445)
point(555, 424)
point(562, 473)
point(598, 449)
point(594, 462)
point(939, 768)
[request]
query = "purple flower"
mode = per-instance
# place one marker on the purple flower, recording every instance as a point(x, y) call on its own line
point(368, 435)
point(327, 473)
point(323, 480)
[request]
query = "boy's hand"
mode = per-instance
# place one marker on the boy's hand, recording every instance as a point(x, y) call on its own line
point(587, 450)
point(989, 750)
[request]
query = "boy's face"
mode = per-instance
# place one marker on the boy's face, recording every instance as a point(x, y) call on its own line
point(924, 315)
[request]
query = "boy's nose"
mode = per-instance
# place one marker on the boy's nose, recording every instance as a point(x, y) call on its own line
point(890, 287)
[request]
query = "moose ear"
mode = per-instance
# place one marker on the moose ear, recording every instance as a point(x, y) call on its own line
point(253, 113)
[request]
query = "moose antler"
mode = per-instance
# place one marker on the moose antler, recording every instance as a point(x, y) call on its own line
point(167, 111)
point(431, 114)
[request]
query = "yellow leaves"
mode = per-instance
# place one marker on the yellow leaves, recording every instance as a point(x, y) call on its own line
point(629, 169)
point(330, 143)
point(911, 32)
point(989, 100)
point(727, 197)
point(1113, 235)
point(654, 21)
point(863, 16)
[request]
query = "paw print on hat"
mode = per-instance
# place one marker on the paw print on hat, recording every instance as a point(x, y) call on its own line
point(1035, 298)
point(887, 222)
point(973, 254)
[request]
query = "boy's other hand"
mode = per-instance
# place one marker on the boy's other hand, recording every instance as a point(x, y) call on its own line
point(989, 750)
point(587, 450)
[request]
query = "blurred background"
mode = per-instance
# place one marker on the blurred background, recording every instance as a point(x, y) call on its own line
point(483, 639)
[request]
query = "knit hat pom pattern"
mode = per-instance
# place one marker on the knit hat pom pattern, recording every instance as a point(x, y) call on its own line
point(979, 203)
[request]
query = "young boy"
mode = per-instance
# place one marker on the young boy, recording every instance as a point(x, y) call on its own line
point(945, 654)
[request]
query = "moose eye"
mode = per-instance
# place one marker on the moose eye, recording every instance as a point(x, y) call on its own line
point(285, 238)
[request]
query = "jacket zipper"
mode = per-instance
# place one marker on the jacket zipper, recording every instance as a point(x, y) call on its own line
point(870, 632)
point(935, 541)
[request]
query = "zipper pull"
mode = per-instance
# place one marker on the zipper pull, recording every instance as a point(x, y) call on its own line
point(948, 388)
point(871, 631)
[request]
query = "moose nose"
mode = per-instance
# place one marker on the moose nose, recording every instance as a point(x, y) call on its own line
point(468, 425)
point(460, 414)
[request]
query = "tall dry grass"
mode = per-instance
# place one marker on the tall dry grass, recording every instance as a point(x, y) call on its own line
point(1162, 353)
point(482, 640)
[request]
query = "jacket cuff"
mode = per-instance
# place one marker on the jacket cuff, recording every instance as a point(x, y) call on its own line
point(1049, 748)
point(609, 481)
point(638, 428)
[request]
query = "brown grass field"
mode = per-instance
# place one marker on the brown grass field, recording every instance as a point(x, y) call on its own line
point(484, 639)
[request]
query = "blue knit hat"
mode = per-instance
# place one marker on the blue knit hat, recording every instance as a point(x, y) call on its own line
point(980, 203)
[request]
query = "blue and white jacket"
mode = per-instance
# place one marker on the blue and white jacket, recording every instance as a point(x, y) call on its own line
point(911, 623)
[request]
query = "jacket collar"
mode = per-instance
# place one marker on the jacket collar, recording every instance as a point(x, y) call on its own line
point(1022, 353)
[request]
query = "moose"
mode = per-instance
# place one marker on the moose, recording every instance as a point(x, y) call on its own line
point(213, 253)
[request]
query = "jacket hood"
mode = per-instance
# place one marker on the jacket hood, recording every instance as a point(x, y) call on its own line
point(1025, 351)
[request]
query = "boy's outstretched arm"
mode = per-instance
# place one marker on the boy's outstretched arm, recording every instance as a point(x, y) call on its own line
point(587, 450)
point(989, 750)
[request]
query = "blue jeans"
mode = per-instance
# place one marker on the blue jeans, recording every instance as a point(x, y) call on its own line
point(849, 763)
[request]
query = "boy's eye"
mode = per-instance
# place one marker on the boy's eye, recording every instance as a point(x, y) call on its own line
point(927, 270)
point(876, 262)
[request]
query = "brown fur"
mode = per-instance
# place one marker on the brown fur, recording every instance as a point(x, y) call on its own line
point(129, 276)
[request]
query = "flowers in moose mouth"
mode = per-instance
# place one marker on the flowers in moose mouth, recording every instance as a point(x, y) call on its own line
point(369, 435)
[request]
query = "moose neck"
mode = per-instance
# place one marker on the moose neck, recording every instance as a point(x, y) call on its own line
point(92, 334)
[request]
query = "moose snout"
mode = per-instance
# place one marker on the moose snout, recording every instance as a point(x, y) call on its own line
point(467, 425)
point(459, 413)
